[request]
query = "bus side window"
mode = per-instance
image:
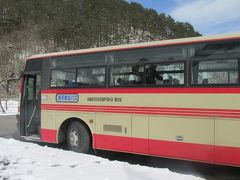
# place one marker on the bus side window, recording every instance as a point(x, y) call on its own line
point(152, 74)
point(63, 77)
point(209, 72)
point(117, 76)
point(127, 75)
point(91, 76)
point(165, 74)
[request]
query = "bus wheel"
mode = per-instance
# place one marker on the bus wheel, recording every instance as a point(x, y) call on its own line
point(78, 139)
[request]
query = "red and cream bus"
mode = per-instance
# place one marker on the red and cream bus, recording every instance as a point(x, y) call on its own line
point(175, 98)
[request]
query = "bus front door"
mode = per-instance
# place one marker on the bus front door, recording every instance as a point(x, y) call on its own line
point(30, 111)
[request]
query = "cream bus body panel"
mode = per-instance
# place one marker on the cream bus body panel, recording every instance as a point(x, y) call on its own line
point(157, 124)
point(113, 124)
point(204, 101)
point(227, 132)
point(191, 130)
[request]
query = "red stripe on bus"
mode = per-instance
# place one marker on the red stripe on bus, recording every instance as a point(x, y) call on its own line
point(227, 155)
point(141, 108)
point(182, 150)
point(77, 52)
point(170, 149)
point(49, 135)
point(143, 90)
point(224, 113)
point(108, 142)
point(190, 151)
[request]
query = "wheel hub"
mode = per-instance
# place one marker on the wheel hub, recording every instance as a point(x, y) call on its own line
point(74, 138)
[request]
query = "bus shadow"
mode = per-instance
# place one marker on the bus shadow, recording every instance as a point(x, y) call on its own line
point(203, 170)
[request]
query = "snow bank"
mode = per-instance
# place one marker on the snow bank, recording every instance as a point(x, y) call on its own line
point(12, 107)
point(23, 161)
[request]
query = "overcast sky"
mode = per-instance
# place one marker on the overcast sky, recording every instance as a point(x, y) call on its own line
point(207, 16)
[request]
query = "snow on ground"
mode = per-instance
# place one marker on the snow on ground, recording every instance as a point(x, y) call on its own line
point(12, 107)
point(28, 161)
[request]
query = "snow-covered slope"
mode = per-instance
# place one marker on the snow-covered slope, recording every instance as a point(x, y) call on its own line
point(23, 161)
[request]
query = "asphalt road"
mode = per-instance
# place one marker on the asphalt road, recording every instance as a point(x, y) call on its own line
point(207, 171)
point(8, 127)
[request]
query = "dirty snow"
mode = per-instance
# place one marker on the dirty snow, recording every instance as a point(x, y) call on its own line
point(28, 161)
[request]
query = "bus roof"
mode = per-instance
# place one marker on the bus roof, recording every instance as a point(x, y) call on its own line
point(141, 45)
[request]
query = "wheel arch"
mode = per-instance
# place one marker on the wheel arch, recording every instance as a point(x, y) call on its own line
point(62, 131)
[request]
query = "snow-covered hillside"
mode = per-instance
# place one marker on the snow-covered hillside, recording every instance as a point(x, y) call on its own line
point(25, 161)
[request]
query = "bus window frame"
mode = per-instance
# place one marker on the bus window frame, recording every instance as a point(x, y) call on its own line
point(148, 52)
point(76, 70)
point(144, 85)
point(60, 87)
point(81, 62)
point(214, 55)
point(184, 71)
point(225, 85)
point(126, 86)
point(99, 66)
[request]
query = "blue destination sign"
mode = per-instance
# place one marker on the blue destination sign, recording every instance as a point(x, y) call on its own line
point(72, 98)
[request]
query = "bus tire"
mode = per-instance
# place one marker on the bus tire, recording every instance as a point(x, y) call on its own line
point(78, 139)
